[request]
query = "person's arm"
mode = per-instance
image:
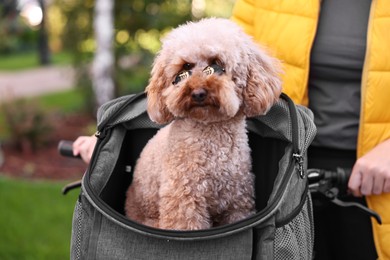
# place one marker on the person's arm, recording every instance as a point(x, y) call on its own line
point(371, 173)
point(84, 146)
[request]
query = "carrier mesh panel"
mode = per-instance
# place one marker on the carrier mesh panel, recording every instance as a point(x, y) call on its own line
point(295, 240)
point(140, 122)
point(76, 236)
point(276, 120)
point(82, 221)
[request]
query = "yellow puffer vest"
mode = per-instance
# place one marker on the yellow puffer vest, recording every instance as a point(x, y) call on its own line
point(287, 29)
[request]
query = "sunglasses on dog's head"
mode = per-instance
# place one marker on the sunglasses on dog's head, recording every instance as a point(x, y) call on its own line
point(209, 70)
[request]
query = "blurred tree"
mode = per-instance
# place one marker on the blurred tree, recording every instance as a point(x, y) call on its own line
point(103, 62)
point(10, 26)
point(7, 7)
point(139, 25)
point(77, 39)
point(21, 29)
point(43, 43)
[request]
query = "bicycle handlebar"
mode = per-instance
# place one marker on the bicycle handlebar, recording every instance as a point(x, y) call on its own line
point(65, 148)
point(331, 184)
point(321, 180)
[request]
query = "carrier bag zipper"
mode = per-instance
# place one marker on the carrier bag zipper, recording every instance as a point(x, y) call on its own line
point(297, 155)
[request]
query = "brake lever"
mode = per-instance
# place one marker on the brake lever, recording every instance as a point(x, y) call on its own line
point(359, 206)
point(332, 194)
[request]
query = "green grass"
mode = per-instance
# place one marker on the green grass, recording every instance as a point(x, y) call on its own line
point(29, 60)
point(35, 220)
point(66, 102)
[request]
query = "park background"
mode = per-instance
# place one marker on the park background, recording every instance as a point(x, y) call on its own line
point(47, 94)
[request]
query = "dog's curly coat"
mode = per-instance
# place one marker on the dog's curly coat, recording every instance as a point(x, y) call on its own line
point(195, 173)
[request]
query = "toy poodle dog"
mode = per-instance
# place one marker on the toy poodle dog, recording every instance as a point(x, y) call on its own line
point(195, 173)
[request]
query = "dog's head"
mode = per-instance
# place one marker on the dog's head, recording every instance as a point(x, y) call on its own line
point(209, 71)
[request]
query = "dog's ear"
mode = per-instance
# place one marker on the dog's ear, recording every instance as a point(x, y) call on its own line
point(263, 86)
point(156, 107)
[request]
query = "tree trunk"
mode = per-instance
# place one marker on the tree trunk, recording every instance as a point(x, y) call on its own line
point(43, 42)
point(103, 63)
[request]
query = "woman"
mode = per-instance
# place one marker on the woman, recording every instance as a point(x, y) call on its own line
point(336, 60)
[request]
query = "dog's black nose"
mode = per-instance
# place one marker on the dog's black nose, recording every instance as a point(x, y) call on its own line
point(199, 95)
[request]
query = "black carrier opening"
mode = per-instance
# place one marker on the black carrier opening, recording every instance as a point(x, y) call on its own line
point(266, 154)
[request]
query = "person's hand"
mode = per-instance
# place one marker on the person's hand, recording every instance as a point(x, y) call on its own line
point(371, 173)
point(84, 146)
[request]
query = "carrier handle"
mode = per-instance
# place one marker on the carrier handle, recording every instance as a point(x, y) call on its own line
point(131, 99)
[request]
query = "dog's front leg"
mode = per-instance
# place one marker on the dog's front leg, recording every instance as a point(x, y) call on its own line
point(236, 215)
point(183, 212)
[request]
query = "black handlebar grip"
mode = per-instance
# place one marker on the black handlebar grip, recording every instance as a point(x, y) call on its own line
point(65, 148)
point(321, 180)
point(342, 176)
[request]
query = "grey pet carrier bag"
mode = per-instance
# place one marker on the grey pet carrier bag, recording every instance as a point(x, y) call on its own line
point(282, 228)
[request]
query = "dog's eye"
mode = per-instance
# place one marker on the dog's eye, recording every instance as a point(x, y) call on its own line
point(182, 75)
point(188, 66)
point(216, 61)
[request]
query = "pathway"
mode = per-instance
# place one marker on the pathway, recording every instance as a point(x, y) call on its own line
point(34, 82)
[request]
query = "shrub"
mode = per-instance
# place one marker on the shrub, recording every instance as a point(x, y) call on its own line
point(26, 123)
